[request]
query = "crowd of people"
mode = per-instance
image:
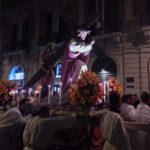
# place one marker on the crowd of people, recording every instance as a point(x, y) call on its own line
point(29, 127)
point(132, 109)
point(25, 126)
point(21, 127)
point(135, 109)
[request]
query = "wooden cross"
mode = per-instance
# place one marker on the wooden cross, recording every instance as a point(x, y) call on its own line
point(73, 26)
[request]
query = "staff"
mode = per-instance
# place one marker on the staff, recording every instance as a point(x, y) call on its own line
point(40, 93)
point(49, 95)
point(60, 93)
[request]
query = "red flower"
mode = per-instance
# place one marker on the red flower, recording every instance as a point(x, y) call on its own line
point(5, 87)
point(87, 89)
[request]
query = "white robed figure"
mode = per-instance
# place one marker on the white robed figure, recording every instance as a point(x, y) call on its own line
point(12, 124)
point(143, 116)
point(76, 57)
point(112, 127)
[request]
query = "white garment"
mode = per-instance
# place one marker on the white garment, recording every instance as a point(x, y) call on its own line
point(143, 116)
point(11, 127)
point(39, 131)
point(143, 113)
point(113, 132)
point(128, 112)
point(79, 47)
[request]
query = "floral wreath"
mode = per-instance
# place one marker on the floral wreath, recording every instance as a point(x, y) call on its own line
point(87, 90)
point(5, 87)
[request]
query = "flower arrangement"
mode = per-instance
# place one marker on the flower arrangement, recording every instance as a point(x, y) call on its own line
point(5, 87)
point(114, 85)
point(87, 90)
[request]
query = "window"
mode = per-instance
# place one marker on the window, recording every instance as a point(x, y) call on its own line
point(49, 25)
point(130, 82)
point(25, 34)
point(58, 70)
point(16, 73)
point(63, 31)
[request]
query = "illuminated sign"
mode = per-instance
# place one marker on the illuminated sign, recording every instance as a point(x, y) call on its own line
point(58, 70)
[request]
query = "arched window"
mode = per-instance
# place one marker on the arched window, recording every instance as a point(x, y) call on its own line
point(16, 73)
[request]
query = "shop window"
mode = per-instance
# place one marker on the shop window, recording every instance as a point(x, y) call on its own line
point(17, 75)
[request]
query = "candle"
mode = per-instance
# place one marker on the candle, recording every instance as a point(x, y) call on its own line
point(22, 93)
point(70, 81)
point(108, 91)
point(40, 93)
point(104, 91)
point(35, 94)
point(60, 94)
point(30, 90)
point(49, 94)
point(13, 93)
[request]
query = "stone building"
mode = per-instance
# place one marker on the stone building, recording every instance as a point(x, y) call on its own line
point(121, 33)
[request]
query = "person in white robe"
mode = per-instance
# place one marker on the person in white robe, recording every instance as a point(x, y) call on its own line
point(128, 111)
point(143, 116)
point(143, 109)
point(112, 127)
point(12, 124)
point(40, 129)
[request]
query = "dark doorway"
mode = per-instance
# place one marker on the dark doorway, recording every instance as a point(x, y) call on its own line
point(107, 64)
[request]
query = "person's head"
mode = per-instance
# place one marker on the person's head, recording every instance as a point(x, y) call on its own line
point(130, 99)
point(41, 110)
point(82, 33)
point(135, 98)
point(25, 107)
point(50, 47)
point(145, 97)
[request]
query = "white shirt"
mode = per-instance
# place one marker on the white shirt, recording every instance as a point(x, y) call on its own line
point(128, 112)
point(113, 132)
point(143, 113)
point(82, 48)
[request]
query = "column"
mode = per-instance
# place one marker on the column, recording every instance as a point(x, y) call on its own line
point(37, 24)
point(128, 9)
point(81, 6)
point(19, 31)
point(55, 26)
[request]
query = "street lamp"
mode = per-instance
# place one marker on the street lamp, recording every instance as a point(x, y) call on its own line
point(103, 75)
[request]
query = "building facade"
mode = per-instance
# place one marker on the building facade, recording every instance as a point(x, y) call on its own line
point(121, 33)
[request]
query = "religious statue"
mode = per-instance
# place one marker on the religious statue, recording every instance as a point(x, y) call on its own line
point(49, 77)
point(76, 57)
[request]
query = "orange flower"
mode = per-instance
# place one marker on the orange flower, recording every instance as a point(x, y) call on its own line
point(5, 87)
point(115, 85)
point(87, 89)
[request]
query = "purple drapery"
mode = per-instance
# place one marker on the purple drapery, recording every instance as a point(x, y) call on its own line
point(71, 67)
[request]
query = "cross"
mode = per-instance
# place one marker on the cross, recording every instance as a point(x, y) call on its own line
point(51, 60)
